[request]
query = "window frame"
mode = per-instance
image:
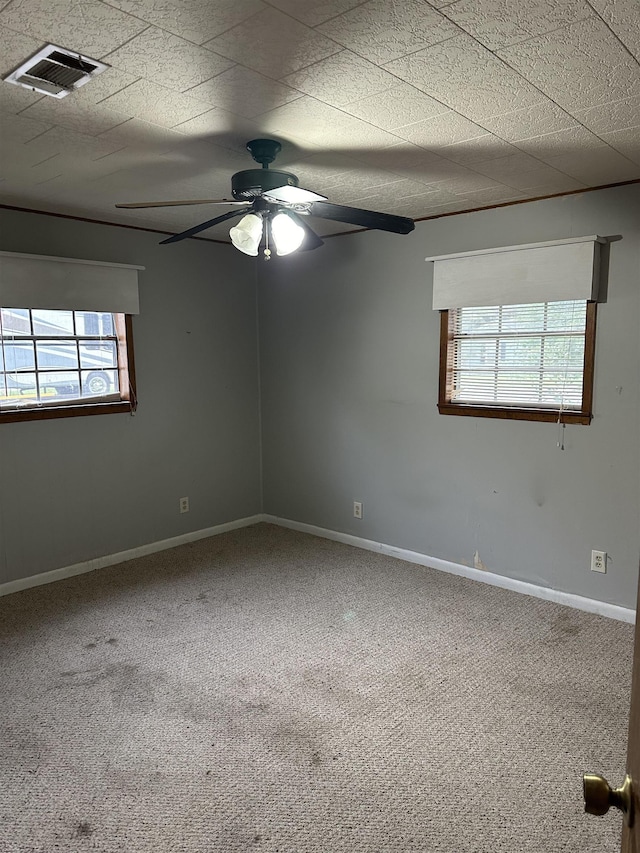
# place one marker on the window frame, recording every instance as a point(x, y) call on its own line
point(519, 413)
point(126, 379)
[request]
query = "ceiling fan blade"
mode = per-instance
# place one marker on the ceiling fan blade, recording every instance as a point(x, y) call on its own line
point(203, 226)
point(292, 195)
point(364, 218)
point(135, 205)
point(311, 240)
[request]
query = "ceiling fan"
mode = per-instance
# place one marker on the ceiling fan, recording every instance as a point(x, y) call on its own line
point(275, 207)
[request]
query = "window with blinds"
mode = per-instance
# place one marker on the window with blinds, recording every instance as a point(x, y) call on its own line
point(530, 361)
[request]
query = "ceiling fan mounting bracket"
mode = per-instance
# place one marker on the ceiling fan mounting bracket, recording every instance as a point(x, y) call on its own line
point(264, 151)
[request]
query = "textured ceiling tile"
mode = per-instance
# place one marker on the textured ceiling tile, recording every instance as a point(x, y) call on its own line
point(448, 176)
point(575, 140)
point(222, 127)
point(382, 30)
point(111, 80)
point(554, 181)
point(316, 13)
point(623, 16)
point(15, 99)
point(617, 115)
point(486, 147)
point(445, 129)
point(396, 107)
point(142, 134)
point(155, 104)
point(601, 166)
point(468, 182)
point(273, 44)
point(396, 158)
point(562, 184)
point(90, 27)
point(86, 118)
point(71, 144)
point(322, 170)
point(579, 66)
point(341, 78)
point(544, 117)
point(168, 59)
point(16, 47)
point(498, 23)
point(358, 184)
point(195, 20)
point(491, 195)
point(19, 129)
point(627, 142)
point(317, 123)
point(467, 77)
point(504, 168)
point(244, 92)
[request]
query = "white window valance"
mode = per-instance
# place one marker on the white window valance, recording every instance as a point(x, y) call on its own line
point(41, 281)
point(554, 271)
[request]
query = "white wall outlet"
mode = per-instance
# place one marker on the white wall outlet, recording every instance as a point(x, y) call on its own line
point(357, 509)
point(599, 561)
point(184, 504)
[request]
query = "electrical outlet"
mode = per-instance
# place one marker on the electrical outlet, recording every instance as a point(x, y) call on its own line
point(599, 561)
point(184, 504)
point(357, 509)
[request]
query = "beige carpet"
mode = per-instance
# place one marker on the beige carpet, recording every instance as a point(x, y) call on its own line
point(269, 691)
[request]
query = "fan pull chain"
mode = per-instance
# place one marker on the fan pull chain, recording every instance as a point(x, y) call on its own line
point(267, 250)
point(561, 429)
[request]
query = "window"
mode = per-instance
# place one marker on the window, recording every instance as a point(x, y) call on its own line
point(527, 362)
point(57, 363)
point(66, 337)
point(518, 327)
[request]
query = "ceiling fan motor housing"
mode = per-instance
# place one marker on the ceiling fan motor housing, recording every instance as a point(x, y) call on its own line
point(253, 182)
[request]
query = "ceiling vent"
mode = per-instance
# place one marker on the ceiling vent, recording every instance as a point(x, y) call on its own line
point(55, 71)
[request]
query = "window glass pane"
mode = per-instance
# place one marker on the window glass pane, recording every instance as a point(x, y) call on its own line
point(19, 355)
point(15, 321)
point(522, 318)
point(474, 320)
point(566, 316)
point(562, 389)
point(519, 352)
point(22, 385)
point(52, 322)
point(564, 352)
point(98, 356)
point(60, 355)
point(94, 323)
point(476, 353)
point(97, 383)
point(57, 384)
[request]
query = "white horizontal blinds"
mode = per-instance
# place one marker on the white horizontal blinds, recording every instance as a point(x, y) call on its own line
point(514, 275)
point(528, 355)
point(38, 281)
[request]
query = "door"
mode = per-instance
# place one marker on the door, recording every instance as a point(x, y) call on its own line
point(631, 835)
point(598, 795)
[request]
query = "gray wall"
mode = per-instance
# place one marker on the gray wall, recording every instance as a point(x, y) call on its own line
point(79, 488)
point(349, 378)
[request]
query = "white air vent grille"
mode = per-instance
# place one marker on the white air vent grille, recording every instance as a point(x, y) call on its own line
point(55, 71)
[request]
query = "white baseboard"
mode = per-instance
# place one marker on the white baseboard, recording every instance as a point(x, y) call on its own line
point(590, 605)
point(123, 556)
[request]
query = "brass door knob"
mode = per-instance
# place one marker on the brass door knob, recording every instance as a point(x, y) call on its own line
point(599, 796)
